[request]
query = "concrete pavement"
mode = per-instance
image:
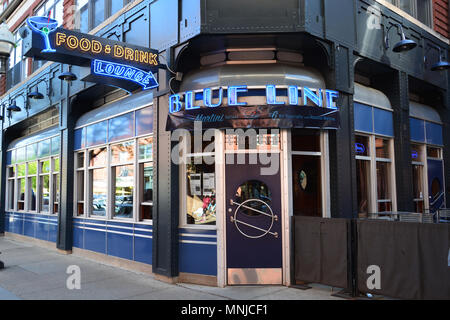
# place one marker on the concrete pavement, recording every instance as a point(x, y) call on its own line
point(35, 273)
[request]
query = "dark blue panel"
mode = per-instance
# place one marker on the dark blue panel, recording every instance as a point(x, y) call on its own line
point(95, 240)
point(29, 225)
point(78, 234)
point(434, 133)
point(121, 127)
point(143, 250)
point(383, 122)
point(53, 231)
point(363, 118)
point(198, 258)
point(9, 157)
point(120, 245)
point(42, 228)
point(7, 217)
point(79, 138)
point(96, 134)
point(144, 121)
point(16, 223)
point(417, 129)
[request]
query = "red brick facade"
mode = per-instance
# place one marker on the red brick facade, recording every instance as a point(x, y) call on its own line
point(69, 12)
point(440, 17)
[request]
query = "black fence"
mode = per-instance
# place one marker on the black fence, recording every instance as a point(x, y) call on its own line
point(403, 260)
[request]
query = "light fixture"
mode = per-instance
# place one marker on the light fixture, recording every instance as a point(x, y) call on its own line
point(67, 76)
point(13, 107)
point(401, 46)
point(35, 95)
point(441, 64)
point(6, 46)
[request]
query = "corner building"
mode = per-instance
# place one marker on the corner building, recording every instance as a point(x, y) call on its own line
point(88, 167)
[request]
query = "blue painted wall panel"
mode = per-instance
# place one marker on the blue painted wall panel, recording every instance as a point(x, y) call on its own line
point(363, 118)
point(417, 129)
point(120, 245)
point(198, 258)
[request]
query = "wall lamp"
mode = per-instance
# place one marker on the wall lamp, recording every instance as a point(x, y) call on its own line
point(13, 107)
point(441, 64)
point(36, 95)
point(401, 46)
point(68, 76)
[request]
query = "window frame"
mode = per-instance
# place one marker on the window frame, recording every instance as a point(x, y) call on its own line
point(107, 8)
point(109, 166)
point(15, 179)
point(414, 11)
point(373, 159)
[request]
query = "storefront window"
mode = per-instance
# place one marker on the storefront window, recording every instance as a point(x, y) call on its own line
point(201, 192)
point(32, 177)
point(119, 173)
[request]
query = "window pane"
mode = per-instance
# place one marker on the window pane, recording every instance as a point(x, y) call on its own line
point(79, 138)
point(303, 140)
point(363, 118)
point(147, 185)
point(433, 152)
point(363, 185)
point(383, 185)
point(55, 193)
point(45, 193)
point(362, 147)
point(417, 129)
point(201, 194)
point(21, 195)
point(32, 184)
point(144, 121)
point(382, 148)
point(434, 133)
point(406, 5)
point(99, 12)
point(123, 180)
point(44, 148)
point(32, 168)
point(146, 148)
point(123, 152)
point(121, 127)
point(32, 152)
point(383, 122)
point(97, 157)
point(80, 193)
point(99, 188)
point(417, 172)
point(21, 170)
point(84, 20)
point(45, 166)
point(58, 14)
point(11, 172)
point(80, 160)
point(416, 153)
point(96, 134)
point(56, 165)
point(10, 204)
point(423, 11)
point(55, 145)
point(20, 155)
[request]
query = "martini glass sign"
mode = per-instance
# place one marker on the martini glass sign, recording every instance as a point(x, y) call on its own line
point(44, 26)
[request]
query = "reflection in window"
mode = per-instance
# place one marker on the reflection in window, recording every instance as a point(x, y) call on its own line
point(144, 121)
point(383, 187)
point(45, 193)
point(146, 148)
point(123, 152)
point(417, 173)
point(121, 127)
point(97, 157)
point(123, 185)
point(147, 190)
point(96, 134)
point(254, 190)
point(99, 188)
point(363, 186)
point(201, 192)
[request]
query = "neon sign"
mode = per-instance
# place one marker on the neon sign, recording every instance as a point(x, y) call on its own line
point(47, 42)
point(359, 148)
point(43, 26)
point(125, 72)
point(275, 95)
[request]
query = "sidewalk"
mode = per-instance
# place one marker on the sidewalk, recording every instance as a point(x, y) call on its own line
point(35, 273)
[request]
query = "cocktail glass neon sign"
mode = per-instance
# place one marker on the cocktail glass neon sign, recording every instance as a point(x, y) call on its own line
point(145, 79)
point(44, 26)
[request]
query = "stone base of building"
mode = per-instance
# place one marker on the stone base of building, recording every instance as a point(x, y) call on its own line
point(114, 261)
point(38, 242)
point(200, 279)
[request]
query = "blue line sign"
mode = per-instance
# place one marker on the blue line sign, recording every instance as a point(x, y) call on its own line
point(143, 78)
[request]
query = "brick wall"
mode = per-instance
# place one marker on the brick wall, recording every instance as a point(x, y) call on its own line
point(69, 12)
point(440, 17)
